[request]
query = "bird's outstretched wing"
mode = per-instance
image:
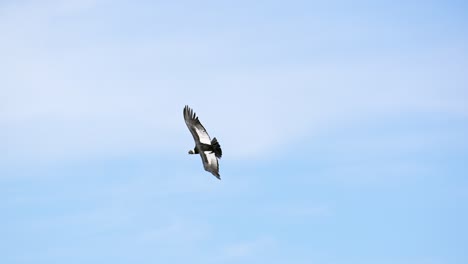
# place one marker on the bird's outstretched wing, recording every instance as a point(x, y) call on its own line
point(196, 128)
point(210, 163)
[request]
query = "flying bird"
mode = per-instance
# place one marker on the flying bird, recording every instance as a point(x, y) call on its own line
point(209, 150)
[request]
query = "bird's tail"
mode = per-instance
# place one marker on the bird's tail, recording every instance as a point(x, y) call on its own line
point(216, 148)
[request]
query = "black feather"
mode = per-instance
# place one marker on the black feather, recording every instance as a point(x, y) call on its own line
point(216, 148)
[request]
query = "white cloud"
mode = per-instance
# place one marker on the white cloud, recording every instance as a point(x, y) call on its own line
point(298, 210)
point(248, 248)
point(177, 232)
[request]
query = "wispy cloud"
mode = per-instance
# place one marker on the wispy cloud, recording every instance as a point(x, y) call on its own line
point(298, 210)
point(177, 232)
point(250, 247)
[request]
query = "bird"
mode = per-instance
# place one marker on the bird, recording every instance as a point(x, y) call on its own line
point(209, 150)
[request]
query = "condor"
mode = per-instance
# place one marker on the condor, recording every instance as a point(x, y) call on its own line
point(209, 150)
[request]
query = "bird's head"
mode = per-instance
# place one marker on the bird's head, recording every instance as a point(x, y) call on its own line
point(191, 152)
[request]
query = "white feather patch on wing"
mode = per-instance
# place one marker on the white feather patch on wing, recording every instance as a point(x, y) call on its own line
point(211, 162)
point(203, 135)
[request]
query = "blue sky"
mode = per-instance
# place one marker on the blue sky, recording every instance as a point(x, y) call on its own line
point(343, 126)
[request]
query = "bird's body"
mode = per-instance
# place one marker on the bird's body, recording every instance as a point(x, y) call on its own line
point(209, 150)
